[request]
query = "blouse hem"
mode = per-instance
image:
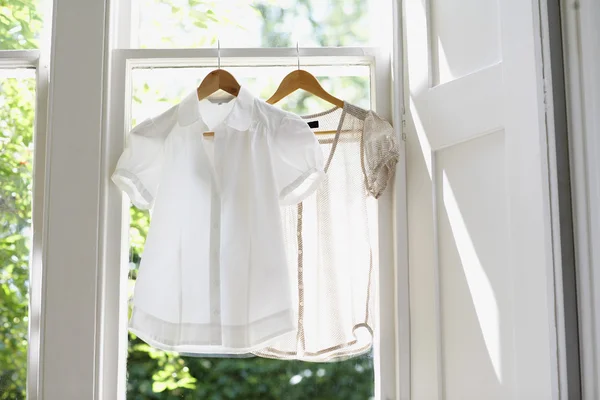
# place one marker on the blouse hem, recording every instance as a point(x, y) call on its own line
point(208, 338)
point(340, 352)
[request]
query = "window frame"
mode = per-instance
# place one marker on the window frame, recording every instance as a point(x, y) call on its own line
point(83, 323)
point(38, 60)
point(120, 108)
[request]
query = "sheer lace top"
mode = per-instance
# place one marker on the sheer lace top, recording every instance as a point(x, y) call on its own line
point(330, 239)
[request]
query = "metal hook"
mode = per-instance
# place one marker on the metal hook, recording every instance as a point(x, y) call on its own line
point(219, 53)
point(298, 54)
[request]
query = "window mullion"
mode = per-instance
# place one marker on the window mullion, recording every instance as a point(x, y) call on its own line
point(249, 56)
point(19, 58)
point(69, 361)
point(38, 223)
point(401, 290)
point(114, 241)
point(123, 24)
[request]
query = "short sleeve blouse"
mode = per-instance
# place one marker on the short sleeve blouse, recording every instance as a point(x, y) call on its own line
point(213, 276)
point(331, 239)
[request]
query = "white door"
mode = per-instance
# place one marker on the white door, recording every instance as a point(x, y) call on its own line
point(480, 255)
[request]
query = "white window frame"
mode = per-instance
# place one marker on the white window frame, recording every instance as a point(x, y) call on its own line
point(82, 333)
point(38, 60)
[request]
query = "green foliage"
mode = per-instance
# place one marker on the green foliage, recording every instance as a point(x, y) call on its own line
point(341, 25)
point(16, 151)
point(20, 24)
point(192, 378)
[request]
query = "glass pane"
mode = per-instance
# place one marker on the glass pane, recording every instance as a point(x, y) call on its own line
point(157, 89)
point(256, 23)
point(20, 24)
point(154, 374)
point(17, 99)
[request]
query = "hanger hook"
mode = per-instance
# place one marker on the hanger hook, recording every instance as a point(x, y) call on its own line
point(298, 54)
point(219, 53)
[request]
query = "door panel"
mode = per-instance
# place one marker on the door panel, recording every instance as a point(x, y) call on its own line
point(472, 259)
point(463, 108)
point(480, 254)
point(465, 37)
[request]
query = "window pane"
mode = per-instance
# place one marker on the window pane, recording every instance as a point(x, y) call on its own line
point(157, 89)
point(154, 374)
point(257, 23)
point(20, 24)
point(17, 99)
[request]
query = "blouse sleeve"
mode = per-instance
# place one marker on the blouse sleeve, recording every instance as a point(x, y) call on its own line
point(138, 169)
point(297, 161)
point(381, 153)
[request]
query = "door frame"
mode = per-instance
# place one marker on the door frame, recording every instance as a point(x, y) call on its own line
point(580, 21)
point(77, 306)
point(563, 242)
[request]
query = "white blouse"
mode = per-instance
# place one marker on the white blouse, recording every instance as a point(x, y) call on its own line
point(213, 276)
point(331, 240)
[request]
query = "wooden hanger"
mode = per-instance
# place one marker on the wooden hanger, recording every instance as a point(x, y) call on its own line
point(301, 79)
point(219, 79)
point(215, 80)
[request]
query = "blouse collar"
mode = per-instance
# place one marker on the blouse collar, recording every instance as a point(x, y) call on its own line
point(239, 118)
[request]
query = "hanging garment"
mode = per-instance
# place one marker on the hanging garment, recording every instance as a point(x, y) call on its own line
point(213, 277)
point(329, 239)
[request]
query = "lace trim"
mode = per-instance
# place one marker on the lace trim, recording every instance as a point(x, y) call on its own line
point(381, 152)
point(382, 164)
point(338, 352)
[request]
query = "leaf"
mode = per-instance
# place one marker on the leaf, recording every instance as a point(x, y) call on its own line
point(12, 239)
point(159, 387)
point(187, 383)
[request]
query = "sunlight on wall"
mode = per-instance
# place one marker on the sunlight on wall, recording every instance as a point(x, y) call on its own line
point(422, 136)
point(444, 72)
point(482, 293)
